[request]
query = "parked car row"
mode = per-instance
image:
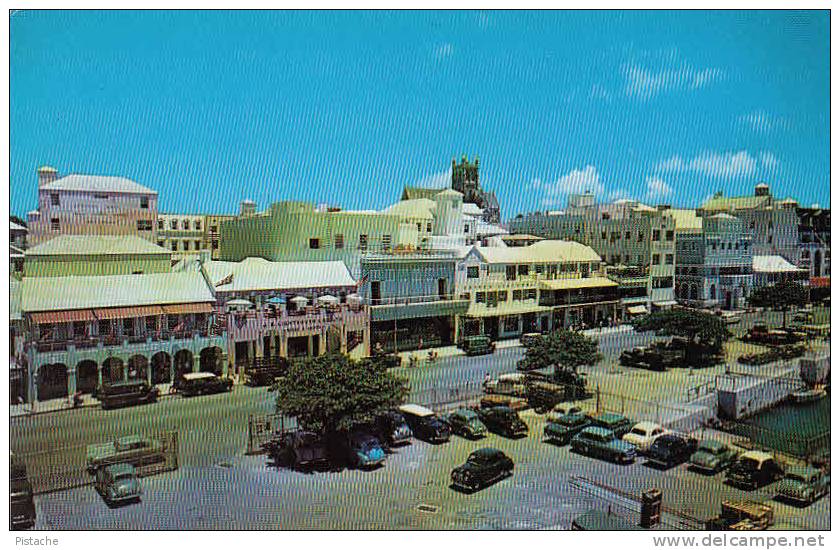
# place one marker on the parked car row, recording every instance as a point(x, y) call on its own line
point(139, 392)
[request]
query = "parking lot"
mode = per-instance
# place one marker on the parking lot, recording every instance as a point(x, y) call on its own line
point(411, 491)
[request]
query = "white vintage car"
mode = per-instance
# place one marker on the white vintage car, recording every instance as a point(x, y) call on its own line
point(643, 434)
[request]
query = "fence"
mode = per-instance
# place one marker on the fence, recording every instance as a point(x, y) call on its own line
point(262, 426)
point(66, 467)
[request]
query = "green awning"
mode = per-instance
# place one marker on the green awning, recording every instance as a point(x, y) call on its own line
point(441, 308)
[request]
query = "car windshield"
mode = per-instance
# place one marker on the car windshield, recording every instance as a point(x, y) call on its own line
point(123, 475)
point(710, 448)
point(570, 420)
point(748, 463)
point(638, 431)
point(367, 443)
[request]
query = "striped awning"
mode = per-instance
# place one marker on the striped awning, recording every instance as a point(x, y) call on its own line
point(66, 316)
point(127, 312)
point(181, 309)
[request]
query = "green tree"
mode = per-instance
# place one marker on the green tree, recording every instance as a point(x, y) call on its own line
point(333, 392)
point(562, 349)
point(705, 333)
point(781, 295)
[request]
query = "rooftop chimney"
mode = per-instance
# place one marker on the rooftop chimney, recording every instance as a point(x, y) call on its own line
point(247, 208)
point(46, 175)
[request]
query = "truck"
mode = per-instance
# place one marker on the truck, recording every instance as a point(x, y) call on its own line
point(132, 449)
point(742, 515)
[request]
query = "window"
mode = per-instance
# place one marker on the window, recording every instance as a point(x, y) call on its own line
point(339, 241)
point(386, 242)
point(160, 243)
point(214, 229)
point(144, 203)
point(480, 297)
point(144, 225)
point(186, 245)
point(197, 225)
point(669, 235)
point(603, 235)
point(128, 326)
point(466, 228)
point(552, 271)
point(517, 295)
point(137, 272)
point(465, 296)
point(79, 329)
point(655, 260)
point(641, 236)
point(185, 224)
point(510, 272)
point(627, 259)
point(656, 234)
point(539, 268)
point(173, 224)
point(429, 227)
point(160, 225)
point(104, 327)
point(54, 224)
point(770, 239)
point(503, 295)
point(151, 324)
point(174, 246)
point(472, 272)
point(419, 227)
point(54, 199)
point(198, 245)
point(530, 294)
point(523, 269)
point(669, 259)
point(375, 292)
point(101, 196)
point(215, 244)
point(363, 243)
point(512, 323)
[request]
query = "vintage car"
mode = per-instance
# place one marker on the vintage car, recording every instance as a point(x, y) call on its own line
point(483, 467)
point(562, 409)
point(21, 504)
point(201, 383)
point(599, 520)
point(132, 449)
point(392, 429)
point(357, 449)
point(561, 430)
point(478, 345)
point(668, 450)
point(803, 485)
point(761, 334)
point(466, 423)
point(494, 400)
point(712, 457)
point(642, 358)
point(117, 484)
point(298, 449)
point(754, 469)
point(266, 372)
point(503, 421)
point(614, 422)
point(643, 434)
point(742, 515)
point(425, 425)
point(602, 443)
point(543, 396)
point(507, 384)
point(124, 394)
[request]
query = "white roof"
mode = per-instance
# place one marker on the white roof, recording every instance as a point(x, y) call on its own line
point(260, 274)
point(62, 293)
point(198, 375)
point(416, 410)
point(414, 208)
point(99, 184)
point(96, 245)
point(772, 264)
point(16, 227)
point(540, 252)
point(471, 209)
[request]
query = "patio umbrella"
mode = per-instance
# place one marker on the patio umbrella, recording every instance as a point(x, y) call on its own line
point(276, 300)
point(239, 302)
point(354, 298)
point(299, 300)
point(328, 299)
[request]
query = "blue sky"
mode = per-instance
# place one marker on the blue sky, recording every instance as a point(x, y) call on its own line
point(209, 108)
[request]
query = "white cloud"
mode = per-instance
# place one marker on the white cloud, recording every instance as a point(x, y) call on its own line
point(657, 188)
point(576, 181)
point(599, 92)
point(712, 164)
point(444, 50)
point(436, 180)
point(768, 160)
point(644, 83)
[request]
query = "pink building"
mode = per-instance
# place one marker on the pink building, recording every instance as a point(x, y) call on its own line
point(91, 205)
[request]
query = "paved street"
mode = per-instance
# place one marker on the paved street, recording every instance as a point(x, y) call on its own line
point(251, 495)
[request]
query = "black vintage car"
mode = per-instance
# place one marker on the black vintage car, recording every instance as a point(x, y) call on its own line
point(671, 449)
point(201, 383)
point(21, 504)
point(754, 469)
point(561, 430)
point(265, 372)
point(298, 449)
point(425, 425)
point(483, 467)
point(503, 421)
point(392, 429)
point(124, 394)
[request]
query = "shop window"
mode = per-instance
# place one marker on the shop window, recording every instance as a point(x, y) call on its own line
point(472, 272)
point(480, 298)
point(314, 244)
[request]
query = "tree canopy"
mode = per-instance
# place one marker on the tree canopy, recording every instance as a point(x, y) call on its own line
point(781, 295)
point(333, 392)
point(561, 349)
point(705, 330)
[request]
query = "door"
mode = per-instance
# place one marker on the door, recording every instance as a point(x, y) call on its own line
point(375, 293)
point(442, 289)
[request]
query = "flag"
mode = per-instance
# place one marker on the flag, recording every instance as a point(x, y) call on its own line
point(362, 281)
point(226, 281)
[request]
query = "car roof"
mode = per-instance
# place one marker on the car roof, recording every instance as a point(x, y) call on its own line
point(512, 376)
point(500, 408)
point(127, 439)
point(485, 452)
point(198, 375)
point(712, 444)
point(416, 410)
point(610, 417)
point(757, 455)
point(119, 468)
point(647, 426)
point(466, 413)
point(598, 431)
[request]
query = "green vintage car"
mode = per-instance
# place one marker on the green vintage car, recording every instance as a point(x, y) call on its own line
point(561, 430)
point(803, 485)
point(712, 457)
point(466, 423)
point(602, 443)
point(478, 345)
point(616, 423)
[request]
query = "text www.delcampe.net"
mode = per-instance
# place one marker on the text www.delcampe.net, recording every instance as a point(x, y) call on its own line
point(744, 541)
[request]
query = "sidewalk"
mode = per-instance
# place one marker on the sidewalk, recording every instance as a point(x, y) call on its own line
point(63, 404)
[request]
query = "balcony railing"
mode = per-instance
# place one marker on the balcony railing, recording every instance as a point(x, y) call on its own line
point(112, 340)
point(407, 300)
